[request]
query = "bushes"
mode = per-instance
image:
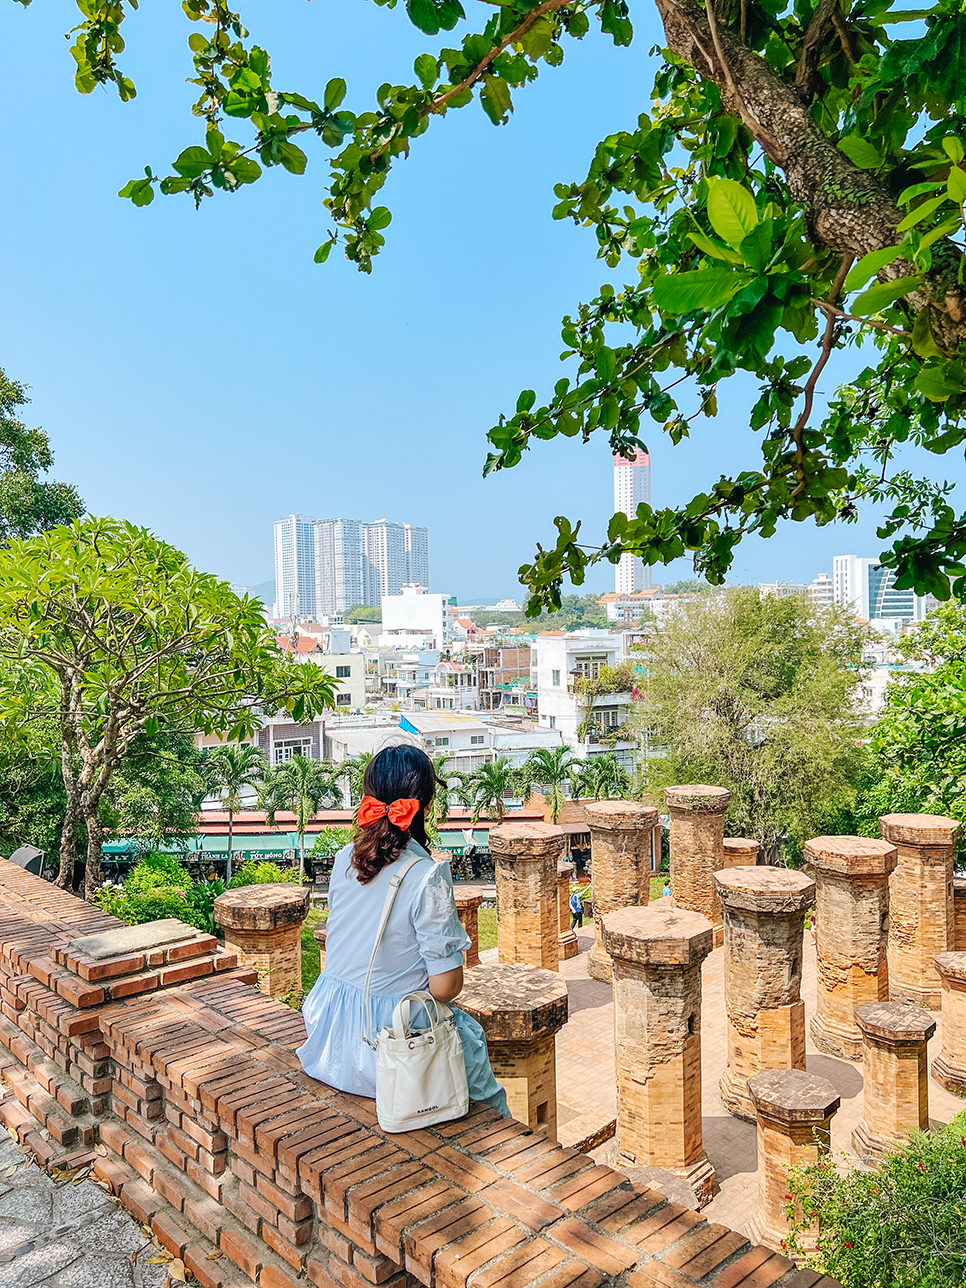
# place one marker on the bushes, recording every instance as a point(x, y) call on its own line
point(262, 873)
point(156, 872)
point(158, 887)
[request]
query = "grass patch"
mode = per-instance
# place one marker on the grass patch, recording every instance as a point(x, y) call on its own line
point(311, 957)
point(657, 887)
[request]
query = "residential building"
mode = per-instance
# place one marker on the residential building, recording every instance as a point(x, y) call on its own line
point(499, 667)
point(416, 541)
point(461, 737)
point(453, 688)
point(632, 487)
point(415, 618)
point(822, 590)
point(295, 566)
point(348, 670)
point(589, 726)
point(629, 609)
point(870, 589)
point(781, 589)
point(339, 565)
point(403, 670)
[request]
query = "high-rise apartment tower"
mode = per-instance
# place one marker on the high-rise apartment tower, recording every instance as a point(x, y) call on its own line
point(632, 486)
point(295, 582)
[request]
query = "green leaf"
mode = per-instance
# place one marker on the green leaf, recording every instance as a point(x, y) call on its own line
point(731, 209)
point(715, 248)
point(426, 69)
point(860, 152)
point(495, 97)
point(922, 338)
point(953, 148)
point(936, 384)
point(708, 288)
point(882, 294)
point(868, 266)
point(193, 162)
point(322, 254)
point(292, 158)
point(956, 184)
point(334, 93)
point(944, 230)
point(423, 14)
point(140, 191)
point(920, 213)
point(381, 217)
point(755, 249)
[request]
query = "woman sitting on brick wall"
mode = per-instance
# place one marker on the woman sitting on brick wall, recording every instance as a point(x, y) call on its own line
point(422, 946)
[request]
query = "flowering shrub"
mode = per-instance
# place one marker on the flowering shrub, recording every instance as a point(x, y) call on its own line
point(901, 1226)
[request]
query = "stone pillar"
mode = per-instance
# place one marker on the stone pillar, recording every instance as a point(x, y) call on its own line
point(263, 925)
point(697, 849)
point(949, 1067)
point(740, 852)
point(763, 910)
point(520, 1009)
point(958, 944)
point(895, 1079)
point(525, 857)
point(852, 910)
point(920, 903)
point(566, 938)
point(620, 848)
point(656, 954)
point(794, 1111)
point(318, 934)
point(468, 909)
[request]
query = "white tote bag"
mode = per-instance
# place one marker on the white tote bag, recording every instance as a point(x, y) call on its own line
point(420, 1073)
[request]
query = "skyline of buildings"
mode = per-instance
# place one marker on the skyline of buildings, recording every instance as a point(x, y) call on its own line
point(325, 566)
point(871, 588)
point(632, 487)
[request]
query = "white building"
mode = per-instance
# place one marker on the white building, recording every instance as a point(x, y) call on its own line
point(461, 737)
point(781, 589)
point(561, 662)
point(452, 688)
point(415, 619)
point(821, 591)
point(628, 610)
point(295, 566)
point(339, 565)
point(870, 589)
point(632, 487)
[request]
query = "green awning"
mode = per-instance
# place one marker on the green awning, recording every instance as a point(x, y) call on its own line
point(457, 841)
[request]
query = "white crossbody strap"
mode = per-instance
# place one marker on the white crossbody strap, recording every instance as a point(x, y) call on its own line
point(395, 881)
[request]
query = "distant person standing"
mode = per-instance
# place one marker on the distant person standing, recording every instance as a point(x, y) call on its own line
point(576, 909)
point(666, 892)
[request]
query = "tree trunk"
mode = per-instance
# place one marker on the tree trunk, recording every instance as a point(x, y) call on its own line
point(68, 839)
point(301, 858)
point(93, 876)
point(231, 819)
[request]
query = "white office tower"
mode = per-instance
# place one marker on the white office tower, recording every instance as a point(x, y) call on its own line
point(632, 487)
point(295, 567)
point(417, 555)
point(339, 579)
point(871, 591)
point(384, 547)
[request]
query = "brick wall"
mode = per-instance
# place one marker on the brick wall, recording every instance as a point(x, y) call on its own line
point(178, 1080)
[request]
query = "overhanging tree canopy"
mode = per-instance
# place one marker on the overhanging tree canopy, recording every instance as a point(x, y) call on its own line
point(798, 180)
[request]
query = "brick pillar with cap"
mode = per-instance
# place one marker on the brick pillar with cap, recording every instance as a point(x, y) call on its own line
point(794, 1111)
point(468, 910)
point(620, 848)
point(656, 954)
point(920, 903)
point(567, 938)
point(525, 857)
point(740, 852)
point(763, 910)
point(852, 910)
point(520, 1009)
point(697, 848)
point(949, 1067)
point(263, 925)
point(895, 1078)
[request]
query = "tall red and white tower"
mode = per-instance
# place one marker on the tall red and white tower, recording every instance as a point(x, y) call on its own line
point(632, 486)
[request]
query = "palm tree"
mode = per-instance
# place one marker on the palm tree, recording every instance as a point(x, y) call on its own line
point(485, 788)
point(549, 768)
point(602, 778)
point(353, 773)
point(303, 786)
point(439, 805)
point(232, 768)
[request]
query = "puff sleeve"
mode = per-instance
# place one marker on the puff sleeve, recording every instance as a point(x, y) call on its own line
point(439, 934)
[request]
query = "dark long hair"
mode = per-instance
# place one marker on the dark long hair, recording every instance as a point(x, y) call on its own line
point(396, 773)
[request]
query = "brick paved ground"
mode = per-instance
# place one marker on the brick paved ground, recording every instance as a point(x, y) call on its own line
point(586, 1085)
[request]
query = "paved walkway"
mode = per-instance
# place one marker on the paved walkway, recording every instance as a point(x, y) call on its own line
point(66, 1233)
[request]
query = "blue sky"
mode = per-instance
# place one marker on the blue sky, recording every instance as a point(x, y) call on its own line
point(198, 374)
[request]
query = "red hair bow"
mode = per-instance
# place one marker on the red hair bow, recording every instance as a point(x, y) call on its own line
point(400, 813)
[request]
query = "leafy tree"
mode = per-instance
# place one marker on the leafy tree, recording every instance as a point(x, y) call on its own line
point(27, 504)
point(485, 789)
point(302, 786)
point(798, 180)
point(601, 778)
point(758, 695)
point(157, 790)
point(113, 634)
point(900, 1226)
point(363, 613)
point(576, 612)
point(688, 586)
point(550, 769)
point(32, 799)
point(449, 781)
point(230, 769)
point(353, 774)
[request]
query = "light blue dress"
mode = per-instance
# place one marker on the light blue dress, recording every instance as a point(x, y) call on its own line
point(423, 937)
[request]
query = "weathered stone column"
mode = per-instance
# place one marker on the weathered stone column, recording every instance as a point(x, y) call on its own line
point(763, 910)
point(318, 934)
point(566, 938)
point(794, 1111)
point(740, 852)
point(920, 903)
point(656, 954)
point(895, 1078)
point(852, 908)
point(620, 840)
point(949, 1067)
point(525, 856)
point(468, 909)
point(958, 944)
point(263, 924)
point(520, 1009)
point(697, 848)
